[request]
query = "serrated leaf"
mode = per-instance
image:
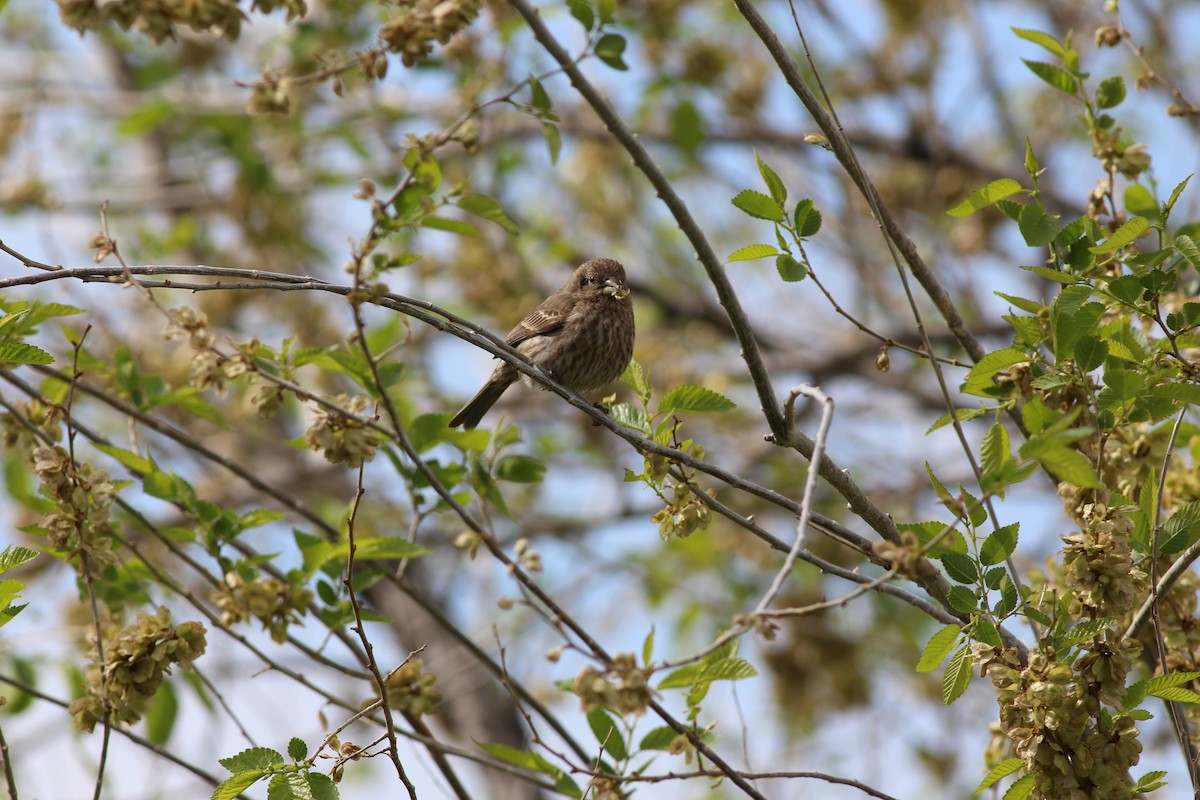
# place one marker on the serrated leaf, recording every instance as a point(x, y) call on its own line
point(959, 567)
point(263, 758)
point(1181, 531)
point(938, 647)
point(962, 599)
point(14, 556)
point(14, 352)
point(635, 378)
point(807, 219)
point(1083, 632)
point(232, 787)
point(1177, 694)
point(790, 269)
point(957, 675)
point(985, 196)
point(999, 545)
point(694, 398)
point(1090, 353)
point(729, 669)
point(1138, 691)
point(750, 252)
point(771, 179)
point(1057, 77)
point(1002, 770)
point(1037, 227)
point(510, 755)
point(1021, 788)
point(629, 416)
point(1140, 202)
point(297, 749)
point(995, 449)
point(537, 95)
point(1122, 236)
point(758, 205)
point(1149, 782)
point(1187, 248)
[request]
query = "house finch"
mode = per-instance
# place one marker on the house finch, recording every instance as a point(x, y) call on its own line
point(582, 336)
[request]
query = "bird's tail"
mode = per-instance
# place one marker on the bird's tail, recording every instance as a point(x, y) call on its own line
point(470, 414)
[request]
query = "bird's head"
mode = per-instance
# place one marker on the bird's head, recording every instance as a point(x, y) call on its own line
point(602, 275)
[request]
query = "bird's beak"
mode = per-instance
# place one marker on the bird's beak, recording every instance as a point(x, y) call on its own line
point(619, 291)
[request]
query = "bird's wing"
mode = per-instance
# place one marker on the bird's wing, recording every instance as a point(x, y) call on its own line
point(545, 320)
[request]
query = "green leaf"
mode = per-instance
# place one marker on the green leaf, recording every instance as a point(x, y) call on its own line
point(1127, 289)
point(127, 458)
point(1139, 691)
point(1066, 464)
point(694, 398)
point(610, 50)
point(938, 647)
point(1037, 227)
point(959, 567)
point(727, 669)
point(980, 378)
point(1149, 782)
point(985, 196)
point(553, 140)
point(1002, 770)
point(456, 226)
point(962, 599)
point(520, 469)
point(1178, 190)
point(808, 219)
point(995, 449)
point(750, 252)
point(1083, 632)
point(648, 646)
point(232, 787)
point(999, 545)
point(1021, 788)
point(961, 414)
point(14, 352)
point(163, 713)
point(687, 127)
point(1055, 76)
point(774, 184)
point(635, 378)
point(1110, 92)
point(263, 758)
point(1041, 39)
point(1122, 236)
point(957, 675)
point(582, 11)
point(607, 733)
point(1090, 353)
point(483, 206)
point(629, 416)
point(1140, 202)
point(537, 95)
point(1181, 531)
point(1031, 163)
point(297, 749)
point(14, 556)
point(659, 738)
point(1187, 248)
point(790, 269)
point(382, 547)
point(758, 205)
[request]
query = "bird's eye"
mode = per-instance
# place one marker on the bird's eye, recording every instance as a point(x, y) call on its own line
point(586, 279)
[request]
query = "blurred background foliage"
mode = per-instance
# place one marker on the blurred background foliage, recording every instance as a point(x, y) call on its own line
point(248, 154)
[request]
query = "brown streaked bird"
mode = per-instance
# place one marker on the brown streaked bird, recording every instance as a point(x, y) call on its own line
point(582, 336)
